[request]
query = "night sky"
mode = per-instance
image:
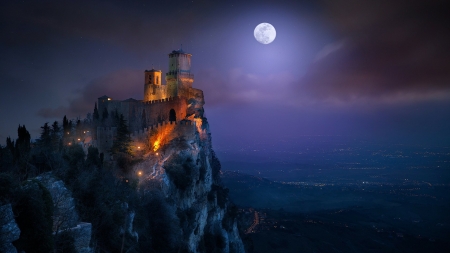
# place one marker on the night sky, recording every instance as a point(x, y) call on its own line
point(374, 70)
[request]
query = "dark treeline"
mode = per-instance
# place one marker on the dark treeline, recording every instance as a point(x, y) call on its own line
point(104, 191)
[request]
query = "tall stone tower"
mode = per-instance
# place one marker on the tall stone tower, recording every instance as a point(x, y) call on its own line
point(179, 78)
point(153, 89)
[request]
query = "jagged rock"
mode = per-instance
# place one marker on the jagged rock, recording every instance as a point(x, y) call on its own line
point(82, 236)
point(65, 216)
point(64, 213)
point(9, 231)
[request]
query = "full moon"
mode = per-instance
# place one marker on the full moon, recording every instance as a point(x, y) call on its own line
point(265, 33)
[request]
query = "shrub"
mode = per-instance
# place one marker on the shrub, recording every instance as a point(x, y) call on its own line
point(181, 171)
point(34, 211)
point(64, 243)
point(216, 167)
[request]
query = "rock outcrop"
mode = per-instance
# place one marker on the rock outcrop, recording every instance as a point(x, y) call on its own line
point(65, 217)
point(188, 172)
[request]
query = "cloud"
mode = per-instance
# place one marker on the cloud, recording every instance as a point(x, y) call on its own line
point(236, 87)
point(121, 84)
point(329, 49)
point(392, 51)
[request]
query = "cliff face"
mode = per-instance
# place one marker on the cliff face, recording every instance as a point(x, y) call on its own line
point(188, 173)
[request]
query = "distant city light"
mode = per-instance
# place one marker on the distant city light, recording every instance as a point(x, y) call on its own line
point(140, 173)
point(109, 98)
point(78, 138)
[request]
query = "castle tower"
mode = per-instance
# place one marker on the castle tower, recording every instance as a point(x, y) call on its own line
point(153, 88)
point(179, 78)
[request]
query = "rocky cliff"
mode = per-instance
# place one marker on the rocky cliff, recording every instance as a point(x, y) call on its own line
point(187, 172)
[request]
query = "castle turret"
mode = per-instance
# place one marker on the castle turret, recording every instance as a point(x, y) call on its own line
point(179, 78)
point(153, 88)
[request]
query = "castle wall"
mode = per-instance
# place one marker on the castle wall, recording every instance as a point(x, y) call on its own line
point(158, 111)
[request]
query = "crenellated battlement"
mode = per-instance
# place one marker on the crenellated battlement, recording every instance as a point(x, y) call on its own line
point(160, 100)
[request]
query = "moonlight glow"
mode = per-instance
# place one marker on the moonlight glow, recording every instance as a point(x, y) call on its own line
point(265, 33)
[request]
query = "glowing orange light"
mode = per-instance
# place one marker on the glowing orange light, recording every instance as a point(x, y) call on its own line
point(84, 131)
point(156, 145)
point(140, 173)
point(70, 143)
point(139, 147)
point(109, 98)
point(156, 153)
point(78, 138)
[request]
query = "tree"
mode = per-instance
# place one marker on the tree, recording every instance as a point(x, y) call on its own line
point(122, 142)
point(67, 128)
point(55, 136)
point(45, 141)
point(105, 114)
point(96, 115)
point(93, 157)
point(22, 147)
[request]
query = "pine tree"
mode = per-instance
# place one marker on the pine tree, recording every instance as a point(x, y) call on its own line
point(122, 142)
point(78, 129)
point(66, 128)
point(105, 114)
point(96, 115)
point(22, 147)
point(45, 141)
point(55, 135)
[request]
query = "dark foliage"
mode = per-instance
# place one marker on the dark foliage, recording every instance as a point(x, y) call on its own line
point(8, 184)
point(122, 142)
point(201, 161)
point(105, 114)
point(64, 243)
point(96, 115)
point(158, 223)
point(181, 171)
point(221, 193)
point(187, 219)
point(93, 158)
point(33, 212)
point(216, 167)
point(212, 243)
point(230, 217)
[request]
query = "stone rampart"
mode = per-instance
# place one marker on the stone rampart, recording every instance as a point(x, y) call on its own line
point(160, 100)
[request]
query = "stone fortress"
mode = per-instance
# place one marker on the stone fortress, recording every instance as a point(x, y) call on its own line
point(165, 106)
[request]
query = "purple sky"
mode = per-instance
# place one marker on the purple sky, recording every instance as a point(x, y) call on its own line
point(377, 70)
